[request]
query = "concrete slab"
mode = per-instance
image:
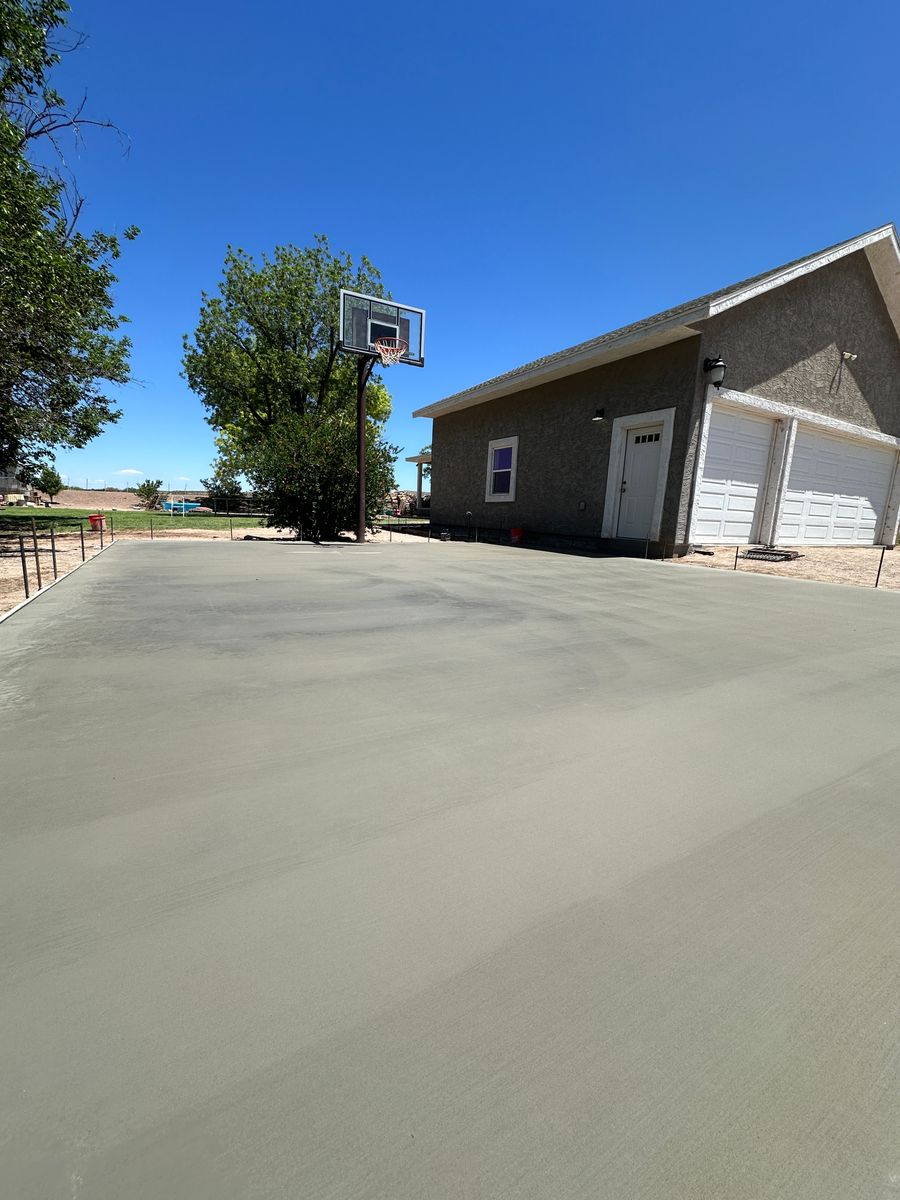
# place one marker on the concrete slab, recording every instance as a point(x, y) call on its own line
point(448, 871)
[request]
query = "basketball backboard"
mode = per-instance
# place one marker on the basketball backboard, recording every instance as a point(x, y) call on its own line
point(365, 319)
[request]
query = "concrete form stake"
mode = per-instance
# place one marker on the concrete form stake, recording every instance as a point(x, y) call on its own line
point(151, 529)
point(736, 552)
point(37, 559)
point(53, 551)
point(880, 565)
point(24, 567)
point(112, 528)
point(231, 528)
point(81, 531)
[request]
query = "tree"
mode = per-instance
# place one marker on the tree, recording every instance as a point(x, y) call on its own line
point(265, 360)
point(148, 492)
point(48, 481)
point(426, 467)
point(58, 340)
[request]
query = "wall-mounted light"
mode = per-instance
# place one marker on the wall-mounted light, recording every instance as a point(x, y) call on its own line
point(599, 414)
point(848, 356)
point(715, 368)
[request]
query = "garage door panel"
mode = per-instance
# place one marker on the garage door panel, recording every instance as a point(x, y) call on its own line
point(836, 492)
point(729, 493)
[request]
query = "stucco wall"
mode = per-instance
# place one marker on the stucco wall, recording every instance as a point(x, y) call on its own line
point(563, 455)
point(786, 346)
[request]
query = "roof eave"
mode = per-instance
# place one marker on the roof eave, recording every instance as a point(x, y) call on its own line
point(570, 364)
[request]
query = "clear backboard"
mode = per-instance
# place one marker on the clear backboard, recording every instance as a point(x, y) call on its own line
point(366, 320)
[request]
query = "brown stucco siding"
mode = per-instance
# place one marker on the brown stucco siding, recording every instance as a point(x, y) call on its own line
point(786, 346)
point(563, 456)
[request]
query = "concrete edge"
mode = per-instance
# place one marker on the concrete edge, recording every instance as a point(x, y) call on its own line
point(47, 586)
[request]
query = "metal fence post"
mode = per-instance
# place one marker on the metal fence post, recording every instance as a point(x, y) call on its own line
point(24, 566)
point(880, 565)
point(37, 559)
point(53, 551)
point(112, 528)
point(102, 523)
point(81, 531)
point(231, 528)
point(151, 529)
point(736, 552)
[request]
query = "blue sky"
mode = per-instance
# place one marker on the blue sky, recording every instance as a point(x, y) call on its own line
point(532, 175)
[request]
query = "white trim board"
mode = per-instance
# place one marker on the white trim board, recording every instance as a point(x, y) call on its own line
point(807, 416)
point(618, 445)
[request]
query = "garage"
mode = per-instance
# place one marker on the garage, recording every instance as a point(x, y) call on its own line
point(730, 491)
point(836, 492)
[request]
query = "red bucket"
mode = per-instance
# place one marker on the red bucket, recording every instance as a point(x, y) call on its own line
point(98, 521)
point(516, 536)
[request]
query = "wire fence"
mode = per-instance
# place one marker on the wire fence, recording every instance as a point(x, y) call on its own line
point(857, 566)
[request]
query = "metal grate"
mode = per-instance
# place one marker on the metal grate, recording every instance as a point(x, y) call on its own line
point(770, 555)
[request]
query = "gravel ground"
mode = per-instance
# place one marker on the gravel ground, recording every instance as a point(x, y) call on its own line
point(855, 565)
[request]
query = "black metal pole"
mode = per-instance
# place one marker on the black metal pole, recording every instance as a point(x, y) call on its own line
point(112, 528)
point(24, 567)
point(151, 529)
point(231, 528)
point(363, 371)
point(53, 551)
point(736, 552)
point(37, 559)
point(880, 565)
point(81, 531)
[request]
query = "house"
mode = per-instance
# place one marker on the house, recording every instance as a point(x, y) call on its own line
point(627, 438)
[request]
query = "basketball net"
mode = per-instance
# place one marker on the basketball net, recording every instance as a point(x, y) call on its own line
point(390, 350)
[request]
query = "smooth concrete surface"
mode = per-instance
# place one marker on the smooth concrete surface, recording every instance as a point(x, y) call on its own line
point(445, 872)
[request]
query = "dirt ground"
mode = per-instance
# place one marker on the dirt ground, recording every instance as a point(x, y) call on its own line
point(855, 565)
point(68, 553)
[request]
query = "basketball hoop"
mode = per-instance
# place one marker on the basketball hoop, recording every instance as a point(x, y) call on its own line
point(390, 350)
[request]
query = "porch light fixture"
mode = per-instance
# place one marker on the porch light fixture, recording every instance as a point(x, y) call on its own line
point(715, 368)
point(848, 356)
point(599, 414)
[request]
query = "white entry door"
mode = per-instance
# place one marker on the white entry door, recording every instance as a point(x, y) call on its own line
point(729, 498)
point(836, 492)
point(640, 479)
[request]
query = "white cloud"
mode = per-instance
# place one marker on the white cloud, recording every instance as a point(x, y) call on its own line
point(129, 471)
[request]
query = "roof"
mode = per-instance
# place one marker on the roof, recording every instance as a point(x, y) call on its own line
point(674, 324)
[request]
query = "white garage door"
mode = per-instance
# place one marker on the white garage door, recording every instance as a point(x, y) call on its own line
point(836, 491)
point(730, 493)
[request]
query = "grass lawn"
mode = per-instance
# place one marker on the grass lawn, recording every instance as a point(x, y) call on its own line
point(135, 519)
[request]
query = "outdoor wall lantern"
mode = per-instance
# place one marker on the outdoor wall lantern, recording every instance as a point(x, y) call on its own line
point(715, 368)
point(848, 356)
point(599, 414)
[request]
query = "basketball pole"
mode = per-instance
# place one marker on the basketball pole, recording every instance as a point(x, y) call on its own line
point(363, 370)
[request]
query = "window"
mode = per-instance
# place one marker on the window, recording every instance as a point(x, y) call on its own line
point(501, 469)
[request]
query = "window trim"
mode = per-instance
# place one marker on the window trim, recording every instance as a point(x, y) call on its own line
point(500, 444)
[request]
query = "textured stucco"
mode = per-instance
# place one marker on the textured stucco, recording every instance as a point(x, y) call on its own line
point(563, 455)
point(787, 345)
point(784, 345)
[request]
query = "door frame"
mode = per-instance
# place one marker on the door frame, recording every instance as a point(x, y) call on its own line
point(621, 427)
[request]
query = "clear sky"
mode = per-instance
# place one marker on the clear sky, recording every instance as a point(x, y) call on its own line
point(531, 174)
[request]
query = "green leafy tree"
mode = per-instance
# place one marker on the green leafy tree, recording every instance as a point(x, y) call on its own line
point(59, 344)
point(148, 492)
point(48, 481)
point(426, 467)
point(264, 358)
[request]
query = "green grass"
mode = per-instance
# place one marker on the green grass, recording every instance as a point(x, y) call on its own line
point(135, 519)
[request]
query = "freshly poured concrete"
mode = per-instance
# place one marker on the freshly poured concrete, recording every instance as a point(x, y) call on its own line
point(448, 872)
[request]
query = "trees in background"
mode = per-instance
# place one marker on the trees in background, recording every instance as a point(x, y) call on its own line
point(48, 481)
point(264, 359)
point(148, 493)
point(59, 344)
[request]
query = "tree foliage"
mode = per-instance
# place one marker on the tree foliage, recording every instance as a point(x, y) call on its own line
point(58, 329)
point(426, 467)
point(48, 481)
point(265, 360)
point(148, 492)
